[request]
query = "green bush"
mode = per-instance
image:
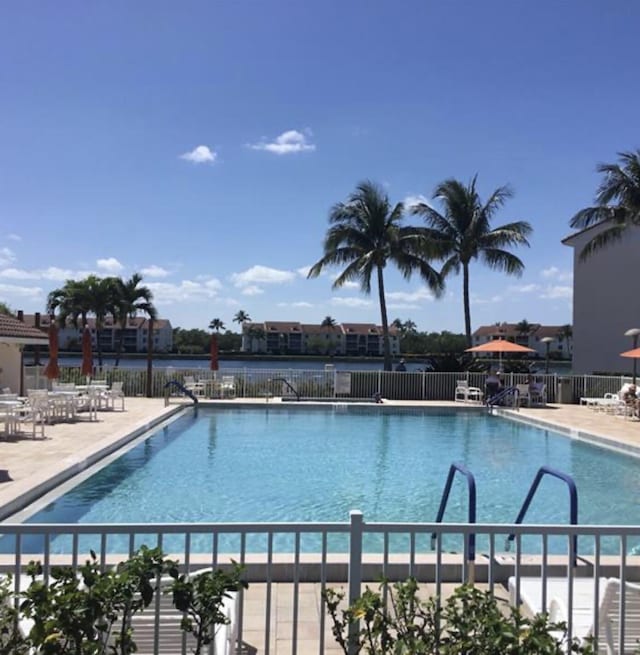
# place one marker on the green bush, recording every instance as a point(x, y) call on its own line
point(394, 620)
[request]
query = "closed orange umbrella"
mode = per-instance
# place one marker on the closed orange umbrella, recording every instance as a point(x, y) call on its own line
point(52, 370)
point(635, 353)
point(214, 352)
point(87, 355)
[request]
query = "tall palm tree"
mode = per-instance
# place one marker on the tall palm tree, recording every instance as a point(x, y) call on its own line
point(464, 230)
point(131, 300)
point(103, 301)
point(618, 202)
point(328, 321)
point(366, 234)
point(217, 325)
point(72, 302)
point(241, 317)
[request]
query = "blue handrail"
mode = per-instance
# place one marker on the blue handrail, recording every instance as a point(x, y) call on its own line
point(182, 388)
point(471, 484)
point(573, 501)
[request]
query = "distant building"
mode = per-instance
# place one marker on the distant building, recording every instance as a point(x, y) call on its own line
point(561, 345)
point(606, 301)
point(293, 338)
point(14, 335)
point(134, 336)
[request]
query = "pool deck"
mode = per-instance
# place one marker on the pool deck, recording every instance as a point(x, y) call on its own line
point(68, 448)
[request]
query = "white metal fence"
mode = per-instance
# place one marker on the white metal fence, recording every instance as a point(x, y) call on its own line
point(350, 554)
point(318, 384)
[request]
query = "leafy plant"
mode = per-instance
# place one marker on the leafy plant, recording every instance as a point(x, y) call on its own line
point(12, 642)
point(201, 598)
point(394, 620)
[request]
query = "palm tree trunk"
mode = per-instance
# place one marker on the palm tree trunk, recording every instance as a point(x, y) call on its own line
point(120, 345)
point(386, 349)
point(467, 308)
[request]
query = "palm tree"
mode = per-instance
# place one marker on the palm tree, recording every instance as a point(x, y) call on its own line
point(524, 327)
point(465, 233)
point(241, 317)
point(103, 301)
point(328, 321)
point(255, 333)
point(217, 325)
point(618, 203)
point(72, 302)
point(366, 234)
point(131, 299)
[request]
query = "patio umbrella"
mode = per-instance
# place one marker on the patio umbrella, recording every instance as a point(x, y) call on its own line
point(87, 355)
point(214, 352)
point(500, 346)
point(634, 354)
point(52, 370)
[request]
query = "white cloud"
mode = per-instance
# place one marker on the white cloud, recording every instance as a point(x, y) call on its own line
point(350, 285)
point(252, 290)
point(6, 256)
point(553, 292)
point(300, 303)
point(400, 305)
point(12, 290)
point(187, 290)
point(14, 237)
point(415, 199)
point(524, 288)
point(154, 271)
point(303, 271)
point(200, 155)
point(52, 273)
point(477, 300)
point(412, 297)
point(261, 275)
point(554, 273)
point(287, 143)
point(110, 265)
point(351, 302)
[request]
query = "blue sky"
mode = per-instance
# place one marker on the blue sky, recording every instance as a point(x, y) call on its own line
point(203, 143)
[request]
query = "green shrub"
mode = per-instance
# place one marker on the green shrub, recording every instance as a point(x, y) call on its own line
point(394, 620)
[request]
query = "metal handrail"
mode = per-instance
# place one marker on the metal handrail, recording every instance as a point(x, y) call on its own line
point(293, 389)
point(508, 391)
point(573, 502)
point(470, 542)
point(182, 388)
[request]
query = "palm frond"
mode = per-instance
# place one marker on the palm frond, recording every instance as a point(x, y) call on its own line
point(602, 240)
point(501, 260)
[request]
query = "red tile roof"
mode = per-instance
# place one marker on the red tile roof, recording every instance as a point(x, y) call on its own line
point(16, 330)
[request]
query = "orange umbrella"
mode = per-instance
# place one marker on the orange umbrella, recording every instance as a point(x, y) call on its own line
point(500, 346)
point(52, 370)
point(635, 353)
point(87, 355)
point(214, 352)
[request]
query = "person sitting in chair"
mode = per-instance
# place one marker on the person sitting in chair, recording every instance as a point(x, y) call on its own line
point(630, 397)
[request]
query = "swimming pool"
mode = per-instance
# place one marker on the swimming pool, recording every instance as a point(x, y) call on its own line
point(316, 464)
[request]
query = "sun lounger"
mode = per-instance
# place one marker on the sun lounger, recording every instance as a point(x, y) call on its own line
point(464, 393)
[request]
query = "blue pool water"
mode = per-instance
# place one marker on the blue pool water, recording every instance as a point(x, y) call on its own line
point(292, 464)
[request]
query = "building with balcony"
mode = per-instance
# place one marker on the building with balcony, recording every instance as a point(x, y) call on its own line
point(560, 346)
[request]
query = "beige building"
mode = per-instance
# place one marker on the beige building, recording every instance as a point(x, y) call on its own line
point(293, 338)
point(14, 335)
point(606, 301)
point(560, 345)
point(134, 337)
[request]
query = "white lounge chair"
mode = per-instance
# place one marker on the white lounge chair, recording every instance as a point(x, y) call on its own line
point(464, 393)
point(228, 386)
point(609, 615)
point(196, 388)
point(113, 394)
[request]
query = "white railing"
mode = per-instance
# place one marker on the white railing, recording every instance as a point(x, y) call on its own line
point(319, 384)
point(347, 555)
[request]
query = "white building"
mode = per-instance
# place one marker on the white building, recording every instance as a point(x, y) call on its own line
point(14, 335)
point(559, 344)
point(606, 301)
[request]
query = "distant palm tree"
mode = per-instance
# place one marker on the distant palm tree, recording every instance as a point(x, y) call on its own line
point(328, 321)
point(241, 317)
point(71, 301)
point(131, 300)
point(366, 234)
point(618, 203)
point(524, 327)
point(464, 231)
point(566, 333)
point(217, 325)
point(398, 324)
point(255, 332)
point(410, 327)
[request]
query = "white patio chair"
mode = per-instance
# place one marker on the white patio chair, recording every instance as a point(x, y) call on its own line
point(464, 393)
point(524, 397)
point(228, 386)
point(113, 394)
